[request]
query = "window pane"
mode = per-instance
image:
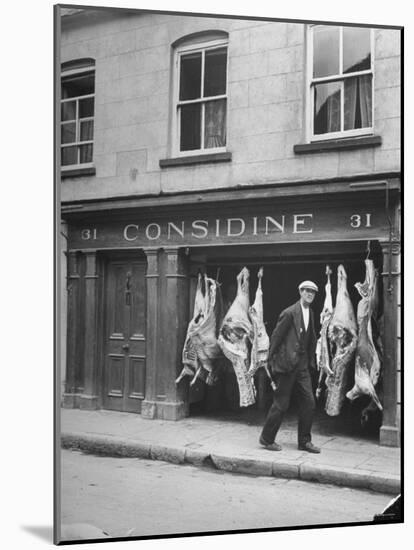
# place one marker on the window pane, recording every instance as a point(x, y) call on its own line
point(215, 72)
point(86, 153)
point(358, 102)
point(78, 85)
point(325, 51)
point(86, 130)
point(357, 49)
point(86, 107)
point(190, 76)
point(69, 156)
point(190, 127)
point(68, 110)
point(327, 114)
point(215, 124)
point(68, 132)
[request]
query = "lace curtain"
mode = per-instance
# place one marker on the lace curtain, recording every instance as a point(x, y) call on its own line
point(358, 103)
point(215, 124)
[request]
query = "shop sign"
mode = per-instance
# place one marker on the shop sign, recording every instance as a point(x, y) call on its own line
point(269, 227)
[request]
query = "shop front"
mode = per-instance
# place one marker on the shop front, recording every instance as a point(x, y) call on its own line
point(132, 275)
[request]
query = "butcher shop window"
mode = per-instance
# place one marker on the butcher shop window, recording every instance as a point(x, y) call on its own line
point(77, 114)
point(341, 81)
point(201, 96)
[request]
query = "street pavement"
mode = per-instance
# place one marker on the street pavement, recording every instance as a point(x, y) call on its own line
point(130, 497)
point(230, 445)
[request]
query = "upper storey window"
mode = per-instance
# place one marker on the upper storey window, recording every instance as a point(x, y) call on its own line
point(77, 114)
point(341, 81)
point(201, 97)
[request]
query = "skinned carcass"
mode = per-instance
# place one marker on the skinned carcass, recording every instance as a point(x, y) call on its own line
point(260, 345)
point(235, 333)
point(342, 335)
point(323, 359)
point(377, 324)
point(201, 346)
point(205, 337)
point(367, 361)
point(189, 356)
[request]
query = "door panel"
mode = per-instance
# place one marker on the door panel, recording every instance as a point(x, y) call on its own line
point(136, 376)
point(125, 345)
point(116, 375)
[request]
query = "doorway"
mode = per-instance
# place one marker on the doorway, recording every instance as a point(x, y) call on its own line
point(125, 340)
point(280, 289)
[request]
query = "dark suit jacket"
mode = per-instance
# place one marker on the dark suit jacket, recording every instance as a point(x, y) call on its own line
point(285, 340)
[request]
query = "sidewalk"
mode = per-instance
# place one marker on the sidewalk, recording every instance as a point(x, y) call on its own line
point(229, 445)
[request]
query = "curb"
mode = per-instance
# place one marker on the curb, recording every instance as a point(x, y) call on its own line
point(350, 477)
point(107, 445)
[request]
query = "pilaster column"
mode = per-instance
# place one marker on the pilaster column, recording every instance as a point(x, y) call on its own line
point(89, 398)
point(390, 431)
point(176, 323)
point(149, 407)
point(167, 320)
point(73, 347)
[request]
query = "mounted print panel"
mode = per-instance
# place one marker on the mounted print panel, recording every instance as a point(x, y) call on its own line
point(231, 216)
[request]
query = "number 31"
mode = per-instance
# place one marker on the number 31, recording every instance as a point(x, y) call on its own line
point(87, 234)
point(357, 220)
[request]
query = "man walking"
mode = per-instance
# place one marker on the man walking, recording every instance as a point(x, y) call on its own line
point(291, 355)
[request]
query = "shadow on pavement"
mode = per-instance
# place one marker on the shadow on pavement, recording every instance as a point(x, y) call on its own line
point(44, 532)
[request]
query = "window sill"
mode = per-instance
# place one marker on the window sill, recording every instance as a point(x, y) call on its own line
point(337, 145)
point(195, 159)
point(78, 171)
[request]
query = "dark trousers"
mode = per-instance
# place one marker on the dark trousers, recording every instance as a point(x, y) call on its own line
point(298, 383)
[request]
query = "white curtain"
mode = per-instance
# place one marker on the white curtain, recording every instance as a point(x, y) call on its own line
point(350, 103)
point(365, 99)
point(358, 100)
point(333, 104)
point(215, 124)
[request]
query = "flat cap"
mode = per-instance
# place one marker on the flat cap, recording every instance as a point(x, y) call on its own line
point(308, 284)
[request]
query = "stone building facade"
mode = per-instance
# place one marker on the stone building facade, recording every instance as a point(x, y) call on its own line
point(130, 199)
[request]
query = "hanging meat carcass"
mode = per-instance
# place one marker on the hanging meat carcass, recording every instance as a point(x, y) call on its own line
point(189, 356)
point(342, 335)
point(322, 346)
point(235, 333)
point(377, 323)
point(205, 337)
point(367, 362)
point(260, 346)
point(377, 320)
point(201, 346)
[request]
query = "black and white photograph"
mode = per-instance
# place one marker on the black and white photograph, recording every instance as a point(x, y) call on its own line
point(228, 273)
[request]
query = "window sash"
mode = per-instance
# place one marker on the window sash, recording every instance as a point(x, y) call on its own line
point(78, 121)
point(201, 100)
point(341, 77)
point(345, 76)
point(341, 73)
point(66, 99)
point(78, 154)
point(342, 132)
point(183, 50)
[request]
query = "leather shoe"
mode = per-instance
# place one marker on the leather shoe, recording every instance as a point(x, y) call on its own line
point(309, 447)
point(270, 446)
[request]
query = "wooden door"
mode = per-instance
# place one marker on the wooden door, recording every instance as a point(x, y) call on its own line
point(124, 376)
